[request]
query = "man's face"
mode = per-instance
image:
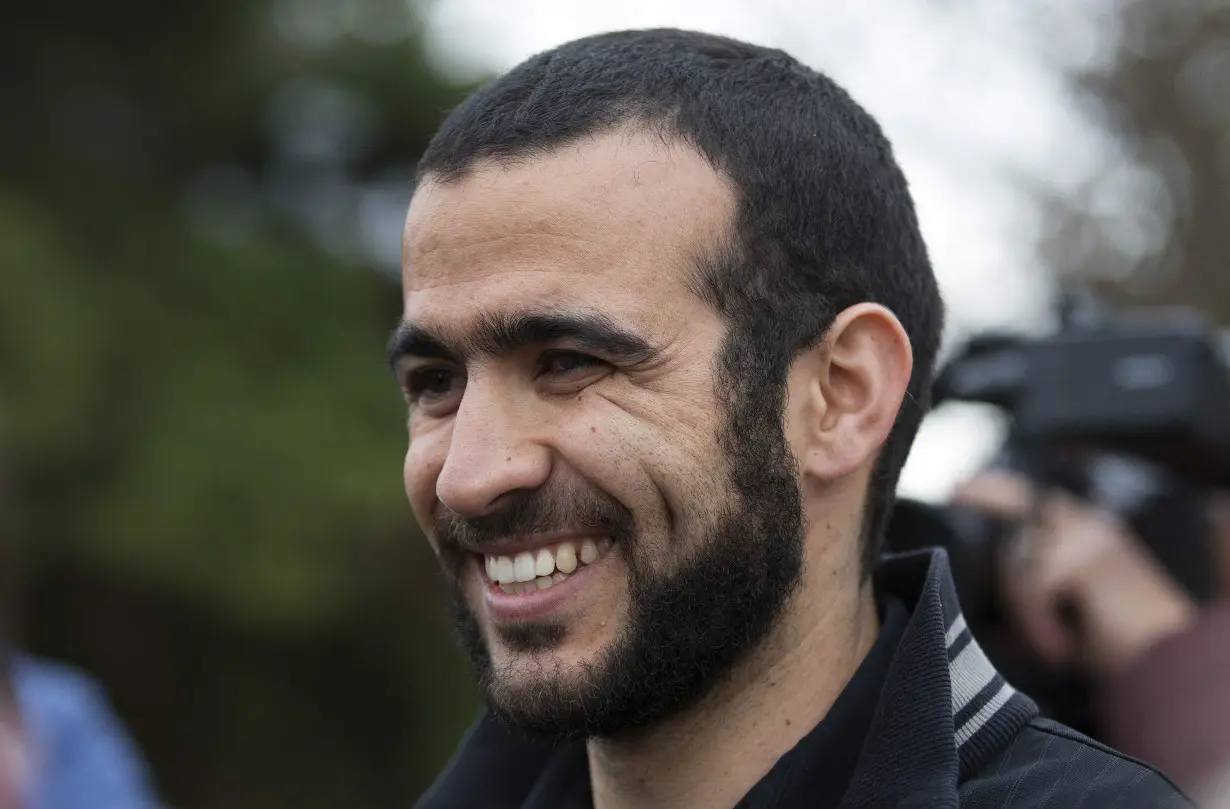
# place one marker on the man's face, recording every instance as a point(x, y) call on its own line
point(570, 459)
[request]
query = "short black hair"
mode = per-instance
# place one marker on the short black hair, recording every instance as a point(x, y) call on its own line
point(824, 218)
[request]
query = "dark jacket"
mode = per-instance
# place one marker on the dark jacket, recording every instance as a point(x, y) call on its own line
point(948, 731)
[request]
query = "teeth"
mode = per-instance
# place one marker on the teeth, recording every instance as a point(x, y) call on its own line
point(539, 583)
point(524, 566)
point(530, 571)
point(566, 558)
point(544, 565)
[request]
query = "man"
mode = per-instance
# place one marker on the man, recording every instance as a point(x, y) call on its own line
point(668, 331)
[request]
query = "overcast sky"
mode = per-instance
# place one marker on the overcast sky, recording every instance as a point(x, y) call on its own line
point(974, 94)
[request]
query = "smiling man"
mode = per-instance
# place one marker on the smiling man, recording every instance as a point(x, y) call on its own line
point(668, 334)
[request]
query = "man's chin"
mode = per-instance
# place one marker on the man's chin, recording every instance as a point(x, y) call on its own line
point(535, 674)
point(529, 639)
point(536, 664)
point(540, 697)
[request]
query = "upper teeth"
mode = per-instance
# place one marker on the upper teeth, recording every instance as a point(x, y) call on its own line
point(529, 565)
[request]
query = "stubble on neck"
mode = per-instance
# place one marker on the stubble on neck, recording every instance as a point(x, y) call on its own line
point(715, 752)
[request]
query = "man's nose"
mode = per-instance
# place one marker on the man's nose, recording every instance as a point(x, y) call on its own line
point(496, 450)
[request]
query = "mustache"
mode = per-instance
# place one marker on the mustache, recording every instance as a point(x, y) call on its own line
point(535, 512)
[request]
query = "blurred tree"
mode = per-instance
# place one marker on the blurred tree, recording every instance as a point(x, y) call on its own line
point(207, 445)
point(1167, 95)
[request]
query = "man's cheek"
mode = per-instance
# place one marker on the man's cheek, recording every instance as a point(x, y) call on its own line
point(421, 468)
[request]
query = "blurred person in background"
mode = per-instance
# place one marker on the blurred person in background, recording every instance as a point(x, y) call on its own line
point(14, 764)
point(668, 332)
point(61, 745)
point(1086, 594)
point(70, 749)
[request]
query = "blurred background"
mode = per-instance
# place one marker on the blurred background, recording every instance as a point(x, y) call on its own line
point(200, 210)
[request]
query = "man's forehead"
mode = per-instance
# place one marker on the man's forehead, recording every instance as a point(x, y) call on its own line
point(619, 199)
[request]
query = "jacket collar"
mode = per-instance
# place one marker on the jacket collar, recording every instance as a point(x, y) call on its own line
point(944, 712)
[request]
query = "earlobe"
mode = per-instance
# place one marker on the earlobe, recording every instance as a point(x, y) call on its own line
point(846, 392)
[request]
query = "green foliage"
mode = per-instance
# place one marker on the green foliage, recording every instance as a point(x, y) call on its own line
point(207, 443)
point(226, 414)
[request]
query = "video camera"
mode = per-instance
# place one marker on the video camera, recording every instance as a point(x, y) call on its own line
point(1129, 411)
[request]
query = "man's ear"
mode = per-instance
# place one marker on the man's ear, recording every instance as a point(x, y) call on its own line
point(846, 391)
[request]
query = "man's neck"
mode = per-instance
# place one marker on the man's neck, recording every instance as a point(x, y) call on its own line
point(712, 755)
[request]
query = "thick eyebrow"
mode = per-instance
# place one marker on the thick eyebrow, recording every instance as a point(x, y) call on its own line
point(498, 335)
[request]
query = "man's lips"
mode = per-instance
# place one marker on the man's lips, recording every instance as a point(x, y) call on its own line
point(532, 604)
point(534, 582)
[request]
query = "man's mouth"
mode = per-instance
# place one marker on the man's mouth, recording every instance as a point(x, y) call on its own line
point(535, 569)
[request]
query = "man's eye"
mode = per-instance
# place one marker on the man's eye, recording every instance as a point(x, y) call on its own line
point(430, 384)
point(565, 362)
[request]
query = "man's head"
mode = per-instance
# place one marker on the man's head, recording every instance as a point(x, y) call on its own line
point(665, 295)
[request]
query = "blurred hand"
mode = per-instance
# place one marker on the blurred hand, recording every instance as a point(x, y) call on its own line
point(1073, 561)
point(14, 758)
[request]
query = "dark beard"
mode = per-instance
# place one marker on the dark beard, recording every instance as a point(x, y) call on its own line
point(686, 630)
